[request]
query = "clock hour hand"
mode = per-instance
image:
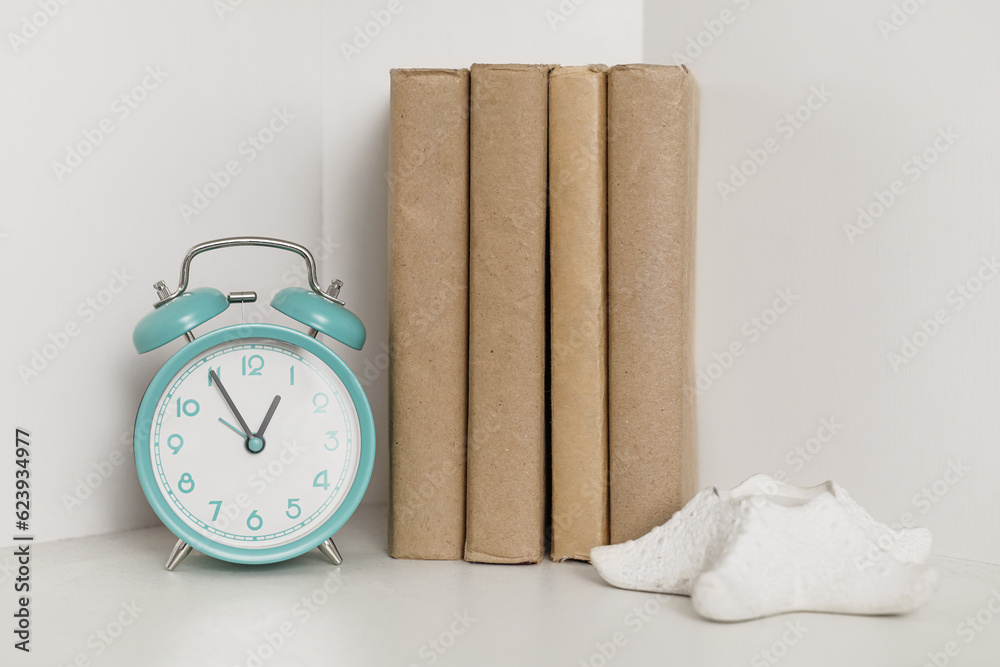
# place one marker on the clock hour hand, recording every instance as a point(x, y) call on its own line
point(267, 417)
point(229, 401)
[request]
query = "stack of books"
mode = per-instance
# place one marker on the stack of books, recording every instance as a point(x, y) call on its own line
point(541, 266)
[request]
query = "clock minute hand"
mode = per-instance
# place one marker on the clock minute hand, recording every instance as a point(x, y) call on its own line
point(232, 406)
point(267, 417)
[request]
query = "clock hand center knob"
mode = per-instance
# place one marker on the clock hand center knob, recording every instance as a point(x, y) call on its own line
point(254, 444)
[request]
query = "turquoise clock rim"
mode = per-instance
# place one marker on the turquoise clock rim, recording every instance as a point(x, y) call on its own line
point(144, 465)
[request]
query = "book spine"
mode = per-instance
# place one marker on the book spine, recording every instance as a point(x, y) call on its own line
point(428, 311)
point(508, 170)
point(578, 309)
point(652, 186)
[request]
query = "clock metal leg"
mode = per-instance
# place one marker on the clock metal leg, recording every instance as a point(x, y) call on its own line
point(329, 550)
point(179, 552)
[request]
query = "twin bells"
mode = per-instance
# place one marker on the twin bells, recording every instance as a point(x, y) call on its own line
point(177, 314)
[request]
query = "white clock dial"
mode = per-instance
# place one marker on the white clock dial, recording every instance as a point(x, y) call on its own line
point(205, 467)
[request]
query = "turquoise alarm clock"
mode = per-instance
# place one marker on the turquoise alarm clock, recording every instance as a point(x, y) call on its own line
point(254, 443)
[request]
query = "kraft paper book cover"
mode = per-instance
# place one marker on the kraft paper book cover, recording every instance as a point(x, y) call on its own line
point(428, 310)
point(508, 172)
point(578, 309)
point(652, 187)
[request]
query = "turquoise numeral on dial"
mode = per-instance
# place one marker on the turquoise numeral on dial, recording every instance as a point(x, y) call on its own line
point(175, 442)
point(255, 364)
point(291, 375)
point(218, 371)
point(254, 522)
point(320, 481)
point(331, 435)
point(293, 504)
point(320, 401)
point(189, 407)
point(218, 506)
point(186, 483)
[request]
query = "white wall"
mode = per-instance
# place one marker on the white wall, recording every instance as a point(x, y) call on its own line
point(783, 229)
point(441, 33)
point(221, 74)
point(62, 240)
point(901, 424)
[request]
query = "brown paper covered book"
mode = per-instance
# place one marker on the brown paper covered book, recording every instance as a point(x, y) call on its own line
point(652, 186)
point(506, 458)
point(578, 309)
point(428, 311)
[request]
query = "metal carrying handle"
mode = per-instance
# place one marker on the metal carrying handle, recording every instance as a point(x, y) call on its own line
point(259, 241)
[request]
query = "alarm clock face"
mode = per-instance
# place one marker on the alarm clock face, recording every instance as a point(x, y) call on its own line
point(277, 488)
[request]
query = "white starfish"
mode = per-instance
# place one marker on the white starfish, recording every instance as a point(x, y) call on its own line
point(768, 547)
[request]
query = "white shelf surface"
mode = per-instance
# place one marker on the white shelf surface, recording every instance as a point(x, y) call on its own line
point(375, 610)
